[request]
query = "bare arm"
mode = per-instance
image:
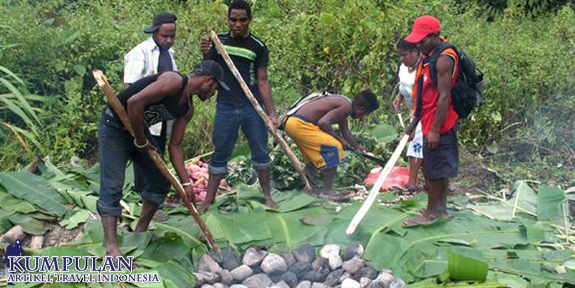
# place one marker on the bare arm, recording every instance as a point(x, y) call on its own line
point(337, 115)
point(177, 153)
point(344, 127)
point(168, 84)
point(266, 94)
point(445, 65)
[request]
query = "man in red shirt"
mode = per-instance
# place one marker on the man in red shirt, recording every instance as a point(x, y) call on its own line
point(438, 118)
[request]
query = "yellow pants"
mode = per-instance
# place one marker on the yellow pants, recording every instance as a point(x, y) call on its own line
point(318, 148)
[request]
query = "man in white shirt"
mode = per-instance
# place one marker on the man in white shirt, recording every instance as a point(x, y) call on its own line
point(150, 57)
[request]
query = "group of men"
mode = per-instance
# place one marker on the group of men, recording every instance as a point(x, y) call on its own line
point(158, 99)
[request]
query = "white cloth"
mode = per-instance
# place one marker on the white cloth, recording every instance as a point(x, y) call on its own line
point(143, 61)
point(406, 82)
point(415, 148)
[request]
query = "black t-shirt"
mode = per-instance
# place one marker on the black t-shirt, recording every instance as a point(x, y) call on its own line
point(248, 54)
point(166, 109)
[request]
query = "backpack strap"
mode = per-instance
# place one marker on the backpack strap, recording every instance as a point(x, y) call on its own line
point(433, 59)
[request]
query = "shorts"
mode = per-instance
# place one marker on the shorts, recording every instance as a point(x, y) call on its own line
point(318, 148)
point(443, 161)
point(415, 148)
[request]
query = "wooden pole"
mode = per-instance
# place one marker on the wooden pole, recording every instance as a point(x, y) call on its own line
point(115, 104)
point(295, 162)
point(375, 189)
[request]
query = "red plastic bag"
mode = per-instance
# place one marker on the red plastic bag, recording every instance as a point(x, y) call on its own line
point(397, 178)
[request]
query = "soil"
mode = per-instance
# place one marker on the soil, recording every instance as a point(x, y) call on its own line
point(474, 177)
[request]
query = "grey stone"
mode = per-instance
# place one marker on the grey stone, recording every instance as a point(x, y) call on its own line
point(366, 271)
point(364, 282)
point(281, 284)
point(385, 278)
point(344, 276)
point(397, 283)
point(242, 273)
point(335, 262)
point(304, 284)
point(220, 285)
point(257, 281)
point(314, 276)
point(289, 278)
point(289, 258)
point(207, 286)
point(352, 251)
point(300, 268)
point(206, 277)
point(320, 265)
point(377, 284)
point(207, 263)
point(304, 253)
point(253, 256)
point(353, 265)
point(317, 285)
point(329, 250)
point(350, 283)
point(230, 260)
point(226, 277)
point(274, 263)
point(238, 286)
point(333, 278)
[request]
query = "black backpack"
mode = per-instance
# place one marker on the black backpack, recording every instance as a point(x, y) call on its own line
point(467, 92)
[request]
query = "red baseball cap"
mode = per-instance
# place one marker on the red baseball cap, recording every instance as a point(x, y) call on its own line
point(422, 27)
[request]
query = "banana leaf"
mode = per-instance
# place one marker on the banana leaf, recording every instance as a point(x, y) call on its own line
point(12, 204)
point(289, 231)
point(79, 217)
point(29, 224)
point(549, 204)
point(465, 267)
point(174, 275)
point(34, 189)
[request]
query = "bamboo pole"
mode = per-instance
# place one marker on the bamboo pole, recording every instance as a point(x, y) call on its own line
point(295, 162)
point(375, 189)
point(115, 104)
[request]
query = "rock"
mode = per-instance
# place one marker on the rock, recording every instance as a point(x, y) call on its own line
point(344, 276)
point(242, 273)
point(274, 263)
point(289, 258)
point(397, 283)
point(257, 281)
point(376, 284)
point(226, 277)
point(335, 262)
point(352, 251)
point(353, 265)
point(329, 250)
point(366, 271)
point(289, 278)
point(321, 265)
point(300, 268)
point(304, 284)
point(333, 278)
point(220, 285)
point(350, 283)
point(318, 285)
point(385, 278)
point(313, 276)
point(207, 263)
point(253, 256)
point(364, 282)
point(305, 253)
point(206, 277)
point(238, 286)
point(207, 286)
point(281, 284)
point(230, 260)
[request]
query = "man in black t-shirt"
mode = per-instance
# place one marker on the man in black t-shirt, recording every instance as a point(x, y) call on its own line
point(233, 110)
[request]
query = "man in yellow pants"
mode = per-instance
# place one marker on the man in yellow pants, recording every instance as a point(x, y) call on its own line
point(309, 126)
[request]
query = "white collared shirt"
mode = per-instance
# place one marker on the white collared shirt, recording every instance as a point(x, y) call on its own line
point(143, 61)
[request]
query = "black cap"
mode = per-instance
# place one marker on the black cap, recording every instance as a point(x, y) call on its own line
point(159, 19)
point(212, 68)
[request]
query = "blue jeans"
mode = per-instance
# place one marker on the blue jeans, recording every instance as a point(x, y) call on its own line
point(116, 148)
point(227, 122)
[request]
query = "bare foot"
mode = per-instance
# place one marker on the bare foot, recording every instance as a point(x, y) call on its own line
point(271, 203)
point(426, 218)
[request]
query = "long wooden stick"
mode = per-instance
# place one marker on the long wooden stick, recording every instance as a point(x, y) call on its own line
point(375, 189)
point(295, 162)
point(115, 104)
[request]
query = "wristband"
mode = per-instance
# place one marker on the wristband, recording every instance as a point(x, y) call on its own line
point(141, 146)
point(186, 184)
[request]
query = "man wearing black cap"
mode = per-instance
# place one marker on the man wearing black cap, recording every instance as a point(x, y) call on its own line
point(150, 100)
point(151, 57)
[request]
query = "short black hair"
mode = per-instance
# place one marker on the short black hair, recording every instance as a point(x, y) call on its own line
point(240, 5)
point(367, 99)
point(406, 46)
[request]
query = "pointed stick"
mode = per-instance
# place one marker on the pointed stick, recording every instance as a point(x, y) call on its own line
point(295, 162)
point(115, 104)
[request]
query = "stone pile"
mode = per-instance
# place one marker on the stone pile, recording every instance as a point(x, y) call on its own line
point(298, 269)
